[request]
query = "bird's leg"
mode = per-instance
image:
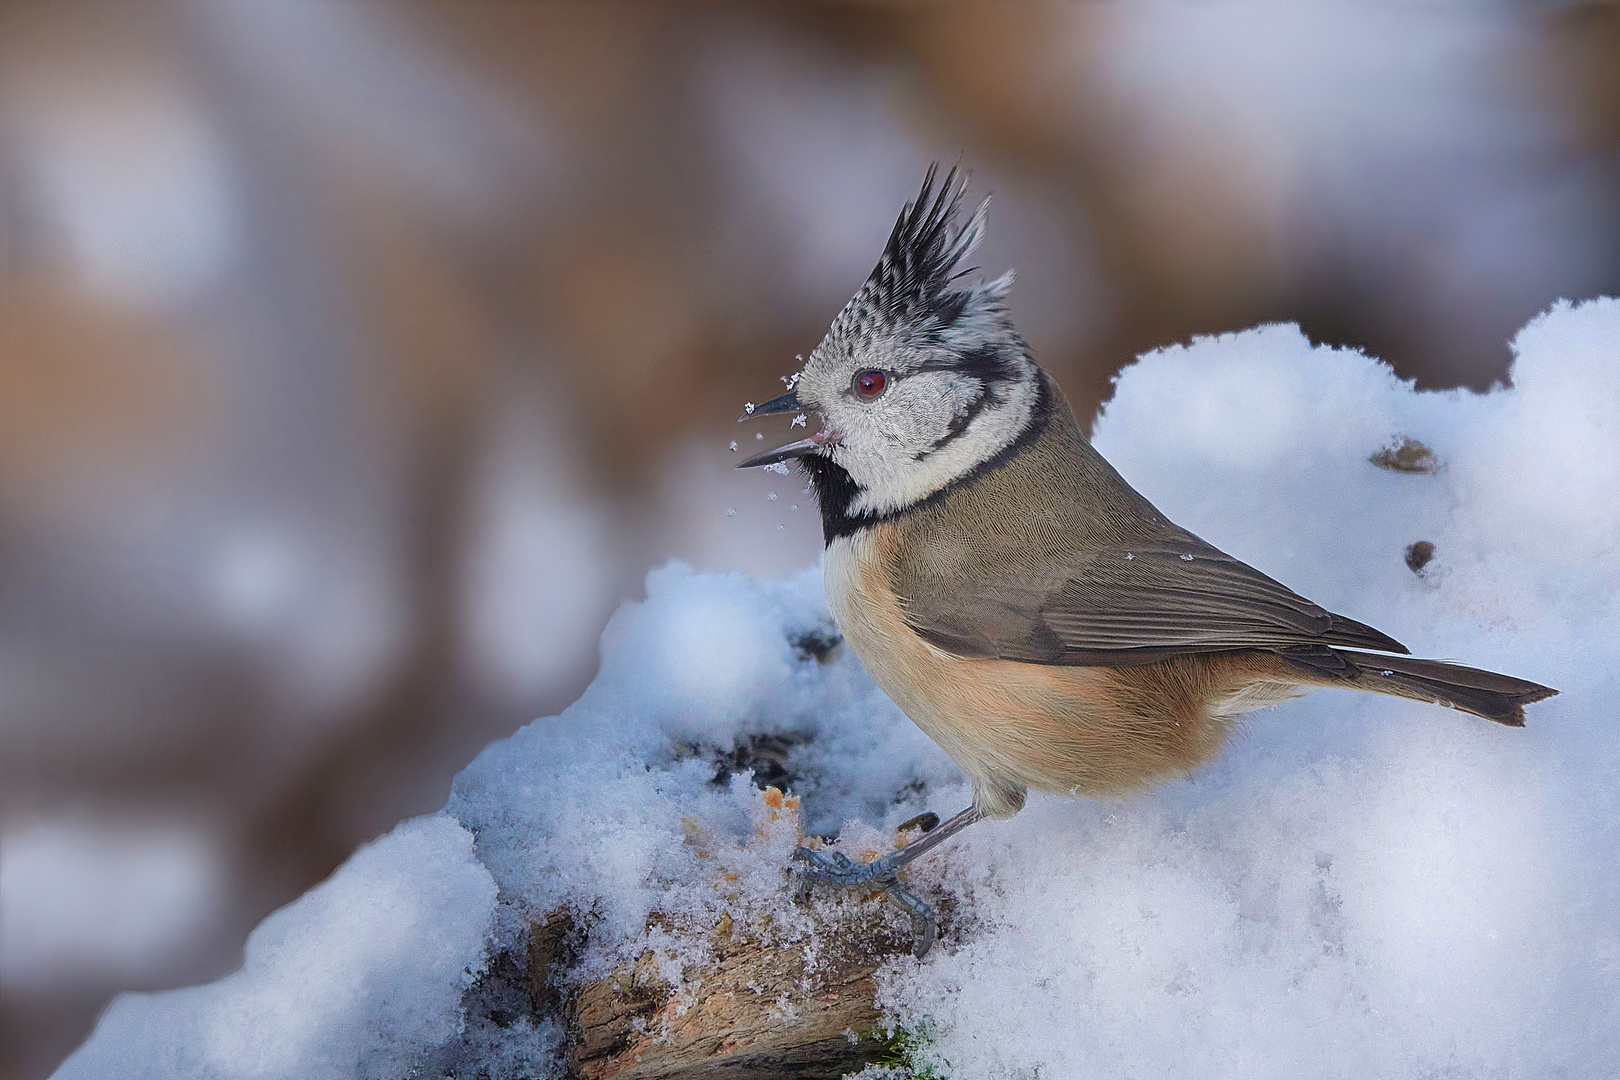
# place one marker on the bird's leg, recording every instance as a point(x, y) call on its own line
point(840, 870)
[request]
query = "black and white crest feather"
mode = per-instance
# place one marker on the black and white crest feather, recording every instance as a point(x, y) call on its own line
point(911, 286)
point(923, 254)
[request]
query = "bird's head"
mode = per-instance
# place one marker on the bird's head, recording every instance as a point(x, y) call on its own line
point(921, 379)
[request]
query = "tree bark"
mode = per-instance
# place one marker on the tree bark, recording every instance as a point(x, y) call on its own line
point(759, 1012)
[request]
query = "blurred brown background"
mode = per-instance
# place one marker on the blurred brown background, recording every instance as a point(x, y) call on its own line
point(357, 359)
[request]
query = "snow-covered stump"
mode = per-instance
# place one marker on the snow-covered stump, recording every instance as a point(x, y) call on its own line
point(757, 1004)
point(759, 1013)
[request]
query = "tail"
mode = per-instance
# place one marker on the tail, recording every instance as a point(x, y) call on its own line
point(1484, 693)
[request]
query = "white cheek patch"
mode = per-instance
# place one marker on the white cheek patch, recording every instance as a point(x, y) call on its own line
point(961, 394)
point(920, 415)
point(926, 411)
point(895, 477)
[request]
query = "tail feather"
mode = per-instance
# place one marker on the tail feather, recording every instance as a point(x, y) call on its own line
point(1501, 698)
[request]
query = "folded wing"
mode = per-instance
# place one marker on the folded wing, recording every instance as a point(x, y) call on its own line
point(1134, 604)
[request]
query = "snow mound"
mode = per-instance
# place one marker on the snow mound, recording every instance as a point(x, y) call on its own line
point(1361, 886)
point(356, 978)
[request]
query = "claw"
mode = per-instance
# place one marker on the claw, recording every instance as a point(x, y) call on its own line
point(801, 888)
point(926, 822)
point(923, 924)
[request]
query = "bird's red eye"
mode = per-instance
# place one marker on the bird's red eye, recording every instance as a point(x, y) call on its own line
point(869, 384)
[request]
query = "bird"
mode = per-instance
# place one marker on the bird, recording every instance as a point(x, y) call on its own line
point(999, 580)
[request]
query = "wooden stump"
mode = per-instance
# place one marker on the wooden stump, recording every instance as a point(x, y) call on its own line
point(759, 1012)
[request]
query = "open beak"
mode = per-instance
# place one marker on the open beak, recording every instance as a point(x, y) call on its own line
point(788, 402)
point(782, 453)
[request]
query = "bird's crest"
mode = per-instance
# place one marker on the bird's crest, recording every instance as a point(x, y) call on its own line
point(924, 252)
point(924, 255)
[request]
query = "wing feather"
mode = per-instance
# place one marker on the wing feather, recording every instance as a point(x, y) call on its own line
point(1136, 604)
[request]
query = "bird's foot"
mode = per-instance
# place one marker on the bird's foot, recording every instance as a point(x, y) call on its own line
point(836, 868)
point(839, 870)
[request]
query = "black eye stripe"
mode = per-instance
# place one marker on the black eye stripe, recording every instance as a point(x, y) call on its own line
point(986, 363)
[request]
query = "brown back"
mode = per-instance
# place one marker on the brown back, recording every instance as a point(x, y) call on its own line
point(1047, 555)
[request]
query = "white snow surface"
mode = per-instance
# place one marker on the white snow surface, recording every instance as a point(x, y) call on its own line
point(1360, 887)
point(359, 977)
